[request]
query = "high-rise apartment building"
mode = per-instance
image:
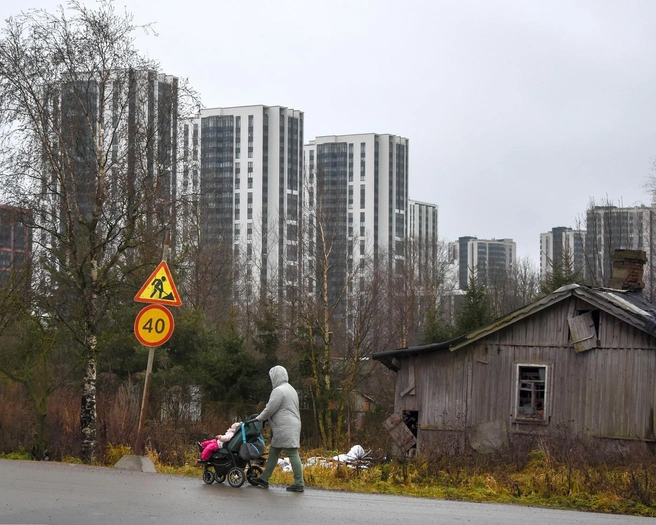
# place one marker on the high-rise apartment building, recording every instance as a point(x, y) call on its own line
point(125, 125)
point(488, 260)
point(422, 232)
point(609, 228)
point(250, 175)
point(562, 246)
point(360, 186)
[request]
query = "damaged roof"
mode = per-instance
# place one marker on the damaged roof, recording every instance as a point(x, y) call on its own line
point(630, 307)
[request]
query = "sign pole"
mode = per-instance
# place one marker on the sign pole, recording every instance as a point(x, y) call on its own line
point(139, 446)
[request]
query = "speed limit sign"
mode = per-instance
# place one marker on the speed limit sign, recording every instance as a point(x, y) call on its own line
point(154, 325)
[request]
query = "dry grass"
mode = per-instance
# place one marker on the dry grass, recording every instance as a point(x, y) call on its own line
point(542, 481)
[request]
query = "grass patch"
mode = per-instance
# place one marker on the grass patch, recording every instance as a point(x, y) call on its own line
point(20, 454)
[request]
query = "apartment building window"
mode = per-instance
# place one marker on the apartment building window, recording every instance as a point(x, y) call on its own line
point(292, 206)
point(250, 136)
point(194, 143)
point(362, 195)
point(5, 234)
point(237, 137)
point(350, 196)
point(350, 163)
point(311, 166)
point(362, 224)
point(399, 225)
point(249, 209)
point(350, 225)
point(249, 232)
point(19, 259)
point(237, 175)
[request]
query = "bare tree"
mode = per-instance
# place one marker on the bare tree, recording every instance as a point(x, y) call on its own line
point(511, 289)
point(329, 314)
point(415, 291)
point(87, 146)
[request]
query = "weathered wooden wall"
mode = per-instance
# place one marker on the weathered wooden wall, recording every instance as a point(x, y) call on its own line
point(608, 391)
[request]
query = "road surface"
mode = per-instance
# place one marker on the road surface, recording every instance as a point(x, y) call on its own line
point(56, 493)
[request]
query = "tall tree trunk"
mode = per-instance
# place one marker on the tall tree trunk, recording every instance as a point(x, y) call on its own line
point(40, 405)
point(40, 442)
point(88, 410)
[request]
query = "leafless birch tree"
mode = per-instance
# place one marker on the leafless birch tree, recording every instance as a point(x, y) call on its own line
point(87, 142)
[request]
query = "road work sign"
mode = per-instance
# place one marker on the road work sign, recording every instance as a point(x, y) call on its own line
point(159, 288)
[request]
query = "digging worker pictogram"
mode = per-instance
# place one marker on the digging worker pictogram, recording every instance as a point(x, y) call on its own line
point(158, 286)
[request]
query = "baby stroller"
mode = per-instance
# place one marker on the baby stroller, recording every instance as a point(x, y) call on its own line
point(235, 462)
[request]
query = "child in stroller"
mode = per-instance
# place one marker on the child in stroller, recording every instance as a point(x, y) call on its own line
point(212, 445)
point(237, 459)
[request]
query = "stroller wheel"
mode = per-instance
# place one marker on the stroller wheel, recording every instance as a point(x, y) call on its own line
point(220, 479)
point(253, 472)
point(208, 476)
point(236, 477)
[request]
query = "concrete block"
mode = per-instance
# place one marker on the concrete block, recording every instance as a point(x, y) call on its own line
point(135, 463)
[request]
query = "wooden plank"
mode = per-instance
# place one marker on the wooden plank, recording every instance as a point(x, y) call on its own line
point(584, 335)
point(410, 390)
point(400, 432)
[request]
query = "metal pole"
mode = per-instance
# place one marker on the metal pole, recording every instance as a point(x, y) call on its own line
point(139, 446)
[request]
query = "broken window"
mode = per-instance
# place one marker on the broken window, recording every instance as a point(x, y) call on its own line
point(411, 420)
point(531, 398)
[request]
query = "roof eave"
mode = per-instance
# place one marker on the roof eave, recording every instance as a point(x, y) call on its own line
point(390, 358)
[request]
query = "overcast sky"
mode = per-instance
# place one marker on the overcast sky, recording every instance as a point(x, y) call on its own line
point(518, 112)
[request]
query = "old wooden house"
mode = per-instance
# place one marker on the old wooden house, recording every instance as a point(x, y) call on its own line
point(580, 360)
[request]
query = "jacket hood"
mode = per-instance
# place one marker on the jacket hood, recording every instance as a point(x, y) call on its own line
point(278, 376)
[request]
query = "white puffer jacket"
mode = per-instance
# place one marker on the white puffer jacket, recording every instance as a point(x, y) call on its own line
point(282, 411)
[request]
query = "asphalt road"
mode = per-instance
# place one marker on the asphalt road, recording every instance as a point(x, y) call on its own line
point(55, 493)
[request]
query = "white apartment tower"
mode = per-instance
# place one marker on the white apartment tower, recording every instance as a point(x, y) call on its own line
point(422, 232)
point(250, 172)
point(360, 184)
point(489, 260)
point(562, 246)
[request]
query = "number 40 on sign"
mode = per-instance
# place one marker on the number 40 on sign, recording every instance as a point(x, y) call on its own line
point(154, 325)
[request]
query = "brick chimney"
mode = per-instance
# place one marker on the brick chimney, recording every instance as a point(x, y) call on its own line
point(627, 270)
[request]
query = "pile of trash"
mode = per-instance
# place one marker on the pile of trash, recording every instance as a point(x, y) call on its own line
point(356, 458)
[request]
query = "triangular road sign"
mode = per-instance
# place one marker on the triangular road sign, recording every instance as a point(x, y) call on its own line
point(159, 288)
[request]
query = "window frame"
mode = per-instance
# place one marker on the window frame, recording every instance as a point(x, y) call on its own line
point(517, 417)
